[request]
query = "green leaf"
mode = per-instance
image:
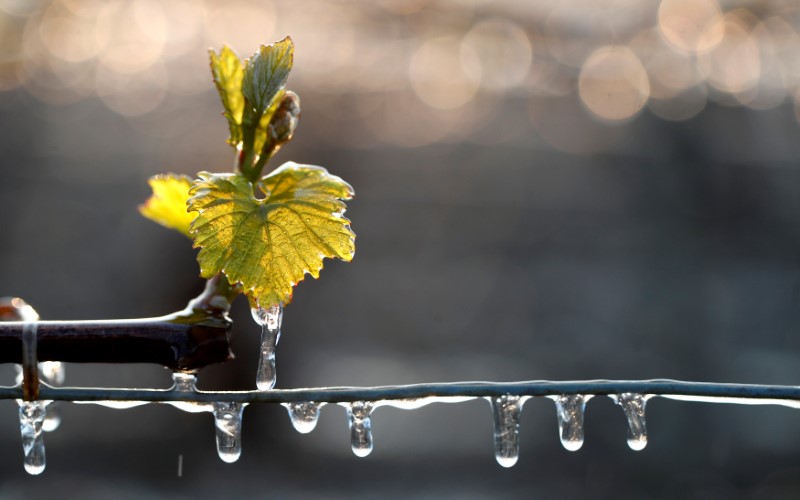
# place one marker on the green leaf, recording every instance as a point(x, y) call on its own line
point(167, 205)
point(261, 131)
point(227, 70)
point(269, 243)
point(265, 74)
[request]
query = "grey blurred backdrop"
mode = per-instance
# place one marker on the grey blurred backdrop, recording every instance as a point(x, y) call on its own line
point(545, 190)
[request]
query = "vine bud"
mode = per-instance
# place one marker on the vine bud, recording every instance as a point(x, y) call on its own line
point(284, 121)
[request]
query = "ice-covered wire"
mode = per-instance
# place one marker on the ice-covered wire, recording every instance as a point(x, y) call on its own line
point(673, 389)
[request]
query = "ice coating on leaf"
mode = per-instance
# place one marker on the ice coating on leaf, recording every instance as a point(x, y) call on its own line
point(228, 422)
point(31, 421)
point(270, 320)
point(506, 410)
point(358, 414)
point(167, 205)
point(269, 244)
point(633, 405)
point(227, 70)
point(569, 411)
point(304, 415)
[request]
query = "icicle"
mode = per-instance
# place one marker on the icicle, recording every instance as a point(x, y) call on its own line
point(506, 410)
point(358, 413)
point(31, 420)
point(569, 410)
point(270, 320)
point(304, 415)
point(228, 420)
point(633, 406)
point(51, 373)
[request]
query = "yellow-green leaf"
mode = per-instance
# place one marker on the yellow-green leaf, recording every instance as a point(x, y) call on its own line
point(227, 69)
point(167, 205)
point(265, 74)
point(269, 243)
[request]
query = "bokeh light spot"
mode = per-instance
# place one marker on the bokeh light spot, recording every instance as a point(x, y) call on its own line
point(613, 83)
point(503, 51)
point(438, 76)
point(734, 66)
point(691, 25)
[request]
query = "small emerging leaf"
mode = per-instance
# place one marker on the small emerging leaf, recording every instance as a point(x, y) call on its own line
point(261, 131)
point(269, 244)
point(228, 73)
point(167, 205)
point(265, 74)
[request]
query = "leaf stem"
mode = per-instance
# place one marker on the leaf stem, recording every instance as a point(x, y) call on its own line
point(247, 156)
point(217, 297)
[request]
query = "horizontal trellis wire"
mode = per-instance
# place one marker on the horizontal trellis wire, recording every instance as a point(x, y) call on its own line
point(675, 389)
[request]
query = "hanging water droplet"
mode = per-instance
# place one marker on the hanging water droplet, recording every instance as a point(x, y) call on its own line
point(52, 418)
point(228, 420)
point(633, 406)
point(358, 414)
point(31, 420)
point(569, 410)
point(270, 320)
point(304, 415)
point(506, 410)
point(52, 372)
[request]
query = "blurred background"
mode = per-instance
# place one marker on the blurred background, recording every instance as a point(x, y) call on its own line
point(545, 190)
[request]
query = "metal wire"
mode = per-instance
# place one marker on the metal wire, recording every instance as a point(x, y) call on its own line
point(674, 389)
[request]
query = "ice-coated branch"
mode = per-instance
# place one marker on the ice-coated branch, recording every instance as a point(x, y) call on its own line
point(171, 341)
point(186, 340)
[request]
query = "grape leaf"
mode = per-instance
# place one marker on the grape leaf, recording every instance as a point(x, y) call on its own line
point(167, 205)
point(265, 74)
point(268, 244)
point(227, 69)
